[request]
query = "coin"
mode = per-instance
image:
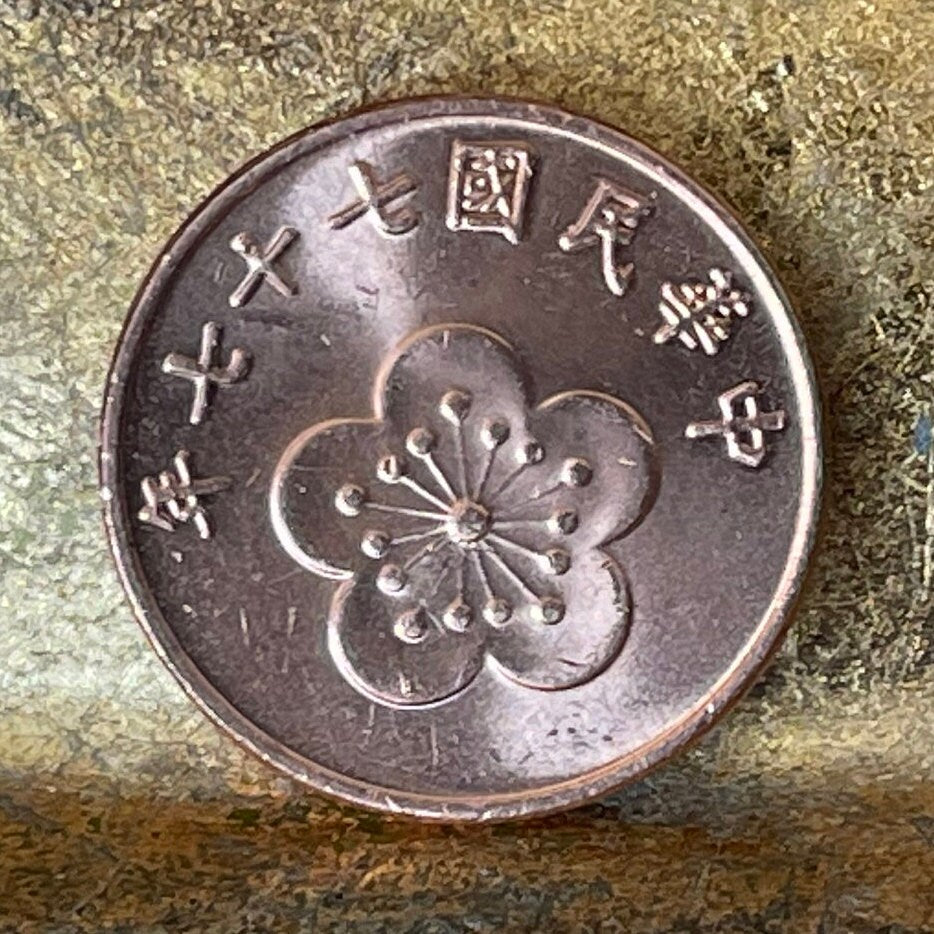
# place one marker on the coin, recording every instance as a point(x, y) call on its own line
point(461, 458)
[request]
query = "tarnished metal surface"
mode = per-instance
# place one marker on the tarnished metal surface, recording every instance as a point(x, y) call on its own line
point(451, 549)
point(811, 807)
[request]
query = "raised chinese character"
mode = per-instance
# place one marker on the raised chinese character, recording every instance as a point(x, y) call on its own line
point(203, 374)
point(609, 219)
point(699, 314)
point(172, 498)
point(741, 424)
point(487, 185)
point(259, 262)
point(375, 200)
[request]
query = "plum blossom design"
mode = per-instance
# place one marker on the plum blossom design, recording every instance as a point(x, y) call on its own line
point(464, 525)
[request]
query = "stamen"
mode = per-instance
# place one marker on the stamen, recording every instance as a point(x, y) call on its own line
point(496, 610)
point(392, 471)
point(418, 536)
point(458, 615)
point(528, 455)
point(513, 523)
point(563, 522)
point(455, 405)
point(439, 476)
point(419, 490)
point(553, 561)
point(493, 436)
point(541, 494)
point(576, 472)
point(560, 522)
point(406, 511)
point(498, 560)
point(411, 626)
point(423, 553)
point(350, 499)
point(391, 579)
point(441, 577)
point(420, 443)
point(376, 543)
point(550, 610)
point(461, 456)
point(481, 573)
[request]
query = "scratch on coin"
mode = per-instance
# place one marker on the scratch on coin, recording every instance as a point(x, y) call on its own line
point(291, 616)
point(253, 477)
point(371, 302)
point(366, 733)
point(245, 627)
point(396, 735)
point(626, 462)
point(284, 577)
point(433, 738)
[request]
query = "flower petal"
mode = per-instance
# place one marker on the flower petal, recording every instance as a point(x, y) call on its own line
point(599, 463)
point(315, 467)
point(464, 384)
point(585, 640)
point(395, 648)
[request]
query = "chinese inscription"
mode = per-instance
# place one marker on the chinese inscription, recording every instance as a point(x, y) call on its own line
point(609, 220)
point(173, 498)
point(741, 424)
point(259, 262)
point(203, 374)
point(488, 184)
point(700, 314)
point(375, 199)
point(487, 187)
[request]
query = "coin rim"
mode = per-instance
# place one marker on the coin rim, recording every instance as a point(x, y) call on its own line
point(478, 807)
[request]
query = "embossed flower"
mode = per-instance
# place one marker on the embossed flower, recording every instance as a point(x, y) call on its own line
point(463, 525)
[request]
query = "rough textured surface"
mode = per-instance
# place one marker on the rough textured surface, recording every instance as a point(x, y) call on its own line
point(810, 809)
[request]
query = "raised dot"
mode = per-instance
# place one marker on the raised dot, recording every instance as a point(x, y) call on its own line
point(576, 472)
point(556, 561)
point(411, 626)
point(390, 469)
point(391, 579)
point(420, 442)
point(458, 616)
point(563, 522)
point(455, 405)
point(531, 453)
point(350, 499)
point(375, 543)
point(494, 433)
point(497, 611)
point(549, 611)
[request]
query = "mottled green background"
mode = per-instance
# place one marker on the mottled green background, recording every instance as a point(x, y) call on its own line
point(810, 809)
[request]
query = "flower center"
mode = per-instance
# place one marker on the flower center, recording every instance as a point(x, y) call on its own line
point(468, 522)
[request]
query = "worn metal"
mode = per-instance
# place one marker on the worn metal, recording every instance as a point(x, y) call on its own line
point(470, 558)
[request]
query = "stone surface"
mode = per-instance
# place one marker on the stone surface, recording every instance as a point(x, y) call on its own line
point(810, 809)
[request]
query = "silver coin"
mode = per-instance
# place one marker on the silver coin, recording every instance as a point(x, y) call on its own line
point(461, 458)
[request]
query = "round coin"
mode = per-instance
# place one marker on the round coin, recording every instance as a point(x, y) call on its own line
point(461, 458)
